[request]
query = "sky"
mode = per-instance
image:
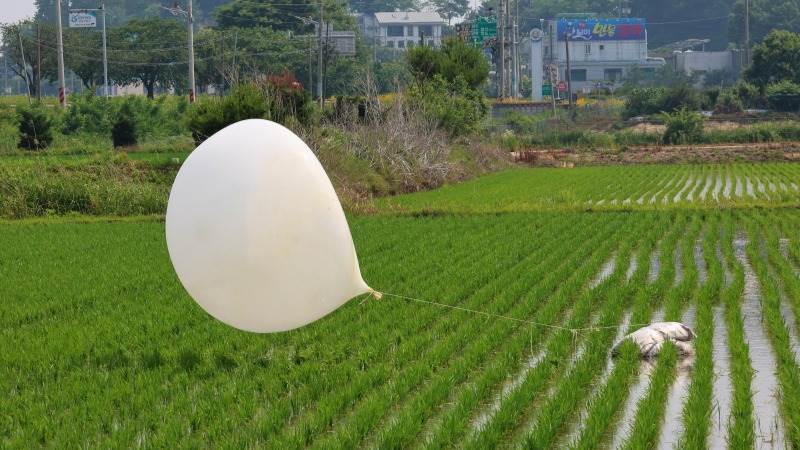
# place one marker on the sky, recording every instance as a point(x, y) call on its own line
point(13, 10)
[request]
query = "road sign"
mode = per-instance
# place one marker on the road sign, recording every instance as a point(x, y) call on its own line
point(484, 28)
point(562, 86)
point(547, 90)
point(81, 18)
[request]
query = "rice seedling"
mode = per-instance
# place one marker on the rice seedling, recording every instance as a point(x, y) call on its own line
point(101, 346)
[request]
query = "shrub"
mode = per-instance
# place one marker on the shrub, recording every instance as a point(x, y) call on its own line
point(708, 99)
point(683, 127)
point(87, 113)
point(749, 94)
point(123, 133)
point(261, 100)
point(643, 101)
point(784, 96)
point(509, 141)
point(35, 127)
point(212, 114)
point(525, 123)
point(682, 96)
point(452, 106)
point(728, 102)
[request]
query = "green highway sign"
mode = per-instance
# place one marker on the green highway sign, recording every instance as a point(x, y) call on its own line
point(547, 90)
point(484, 28)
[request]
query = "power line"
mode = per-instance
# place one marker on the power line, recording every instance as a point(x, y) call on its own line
point(173, 63)
point(211, 44)
point(706, 19)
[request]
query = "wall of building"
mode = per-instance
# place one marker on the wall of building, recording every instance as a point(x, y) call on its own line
point(602, 51)
point(411, 35)
point(690, 61)
point(597, 61)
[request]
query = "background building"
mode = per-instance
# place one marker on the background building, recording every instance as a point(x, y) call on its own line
point(601, 51)
point(402, 29)
point(700, 63)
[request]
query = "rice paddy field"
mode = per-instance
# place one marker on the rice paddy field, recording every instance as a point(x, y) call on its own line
point(100, 346)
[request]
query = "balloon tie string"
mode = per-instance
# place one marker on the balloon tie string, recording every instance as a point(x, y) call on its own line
point(574, 331)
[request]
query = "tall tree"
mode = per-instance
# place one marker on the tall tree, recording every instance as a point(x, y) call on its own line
point(450, 9)
point(776, 59)
point(373, 6)
point(38, 48)
point(282, 15)
point(454, 60)
point(84, 55)
point(152, 52)
point(764, 17)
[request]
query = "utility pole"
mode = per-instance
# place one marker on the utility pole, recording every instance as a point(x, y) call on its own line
point(319, 56)
point(516, 49)
point(515, 60)
point(38, 62)
point(105, 52)
point(235, 54)
point(569, 72)
point(747, 33)
point(5, 71)
point(24, 64)
point(502, 25)
point(310, 61)
point(62, 94)
point(325, 62)
point(190, 20)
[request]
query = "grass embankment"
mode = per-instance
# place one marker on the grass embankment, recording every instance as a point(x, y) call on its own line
point(122, 184)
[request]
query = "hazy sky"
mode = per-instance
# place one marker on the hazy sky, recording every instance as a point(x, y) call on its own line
point(13, 10)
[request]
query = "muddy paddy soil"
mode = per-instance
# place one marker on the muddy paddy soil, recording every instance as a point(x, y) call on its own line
point(711, 153)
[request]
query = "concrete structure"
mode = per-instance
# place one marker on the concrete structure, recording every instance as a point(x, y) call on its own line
point(691, 62)
point(402, 29)
point(537, 69)
point(341, 42)
point(602, 51)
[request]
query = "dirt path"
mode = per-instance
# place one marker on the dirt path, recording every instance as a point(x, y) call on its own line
point(765, 151)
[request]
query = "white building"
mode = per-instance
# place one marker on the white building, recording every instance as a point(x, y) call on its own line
point(402, 29)
point(691, 62)
point(601, 51)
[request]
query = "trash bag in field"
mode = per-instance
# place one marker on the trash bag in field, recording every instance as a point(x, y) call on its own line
point(651, 338)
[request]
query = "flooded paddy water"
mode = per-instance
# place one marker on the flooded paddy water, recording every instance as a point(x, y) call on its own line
point(769, 428)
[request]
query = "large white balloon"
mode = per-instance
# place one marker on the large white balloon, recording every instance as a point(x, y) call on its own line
point(256, 233)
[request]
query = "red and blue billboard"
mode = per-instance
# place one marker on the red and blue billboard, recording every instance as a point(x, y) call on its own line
point(627, 29)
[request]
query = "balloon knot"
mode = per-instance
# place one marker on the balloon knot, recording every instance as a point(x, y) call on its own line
point(375, 294)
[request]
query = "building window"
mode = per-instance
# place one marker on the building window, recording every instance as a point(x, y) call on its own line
point(430, 42)
point(612, 75)
point(577, 74)
point(410, 43)
point(602, 47)
point(426, 30)
point(390, 44)
point(394, 30)
point(587, 48)
point(401, 44)
point(409, 31)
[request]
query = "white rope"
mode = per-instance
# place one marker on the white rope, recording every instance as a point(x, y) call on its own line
point(378, 295)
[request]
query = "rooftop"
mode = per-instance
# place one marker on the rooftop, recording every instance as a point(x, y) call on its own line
point(409, 17)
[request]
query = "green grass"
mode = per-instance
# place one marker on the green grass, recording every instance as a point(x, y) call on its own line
point(648, 187)
point(100, 346)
